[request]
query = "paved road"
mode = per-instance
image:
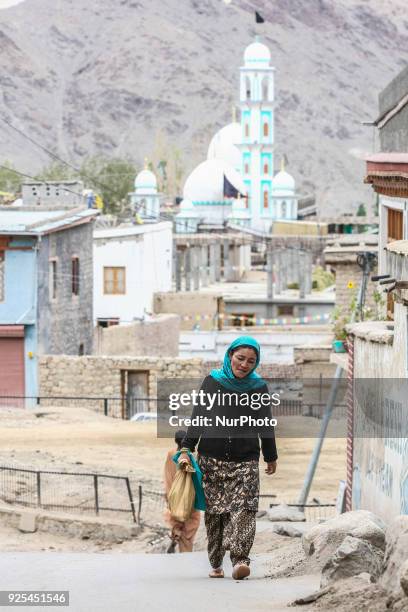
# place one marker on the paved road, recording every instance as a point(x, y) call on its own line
point(157, 583)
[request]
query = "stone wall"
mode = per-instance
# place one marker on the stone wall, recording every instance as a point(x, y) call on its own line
point(347, 271)
point(156, 337)
point(100, 376)
point(189, 305)
point(63, 376)
point(394, 135)
point(65, 323)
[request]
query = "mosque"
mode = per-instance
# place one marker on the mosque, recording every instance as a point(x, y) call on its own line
point(236, 183)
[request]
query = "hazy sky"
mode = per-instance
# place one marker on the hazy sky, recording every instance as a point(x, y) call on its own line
point(6, 3)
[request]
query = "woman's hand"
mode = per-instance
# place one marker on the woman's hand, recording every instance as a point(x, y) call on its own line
point(270, 467)
point(184, 458)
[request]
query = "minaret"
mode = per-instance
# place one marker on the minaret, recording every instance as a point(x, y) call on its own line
point(145, 199)
point(257, 121)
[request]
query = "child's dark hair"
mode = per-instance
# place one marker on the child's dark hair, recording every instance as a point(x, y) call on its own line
point(179, 437)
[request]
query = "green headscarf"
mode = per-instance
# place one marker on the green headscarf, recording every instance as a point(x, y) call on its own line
point(226, 377)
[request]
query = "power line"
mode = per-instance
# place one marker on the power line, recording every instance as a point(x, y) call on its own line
point(253, 239)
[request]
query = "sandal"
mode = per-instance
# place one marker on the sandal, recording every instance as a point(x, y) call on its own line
point(217, 573)
point(240, 571)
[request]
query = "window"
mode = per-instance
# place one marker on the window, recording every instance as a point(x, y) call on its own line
point(75, 276)
point(81, 350)
point(266, 129)
point(243, 319)
point(285, 309)
point(2, 274)
point(265, 89)
point(395, 225)
point(114, 281)
point(265, 199)
point(107, 322)
point(284, 208)
point(246, 130)
point(266, 168)
point(53, 279)
point(246, 168)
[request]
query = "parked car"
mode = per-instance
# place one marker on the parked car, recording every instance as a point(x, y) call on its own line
point(143, 417)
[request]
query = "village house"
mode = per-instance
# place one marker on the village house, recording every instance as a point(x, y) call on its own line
point(45, 290)
point(131, 264)
point(377, 455)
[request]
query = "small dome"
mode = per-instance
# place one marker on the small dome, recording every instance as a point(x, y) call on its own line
point(206, 182)
point(283, 183)
point(257, 54)
point(223, 145)
point(146, 181)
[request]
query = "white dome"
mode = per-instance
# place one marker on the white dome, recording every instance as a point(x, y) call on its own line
point(206, 182)
point(257, 54)
point(223, 145)
point(146, 182)
point(185, 205)
point(283, 183)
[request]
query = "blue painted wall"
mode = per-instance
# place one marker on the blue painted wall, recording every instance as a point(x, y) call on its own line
point(20, 288)
point(20, 304)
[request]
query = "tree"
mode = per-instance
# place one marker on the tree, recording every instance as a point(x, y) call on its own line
point(10, 181)
point(57, 171)
point(361, 211)
point(168, 165)
point(111, 178)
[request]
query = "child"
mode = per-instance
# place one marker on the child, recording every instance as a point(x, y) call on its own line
point(181, 533)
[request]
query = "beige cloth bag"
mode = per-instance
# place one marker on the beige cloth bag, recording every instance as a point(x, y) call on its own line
point(182, 493)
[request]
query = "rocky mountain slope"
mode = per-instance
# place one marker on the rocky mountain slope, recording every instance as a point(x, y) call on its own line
point(114, 77)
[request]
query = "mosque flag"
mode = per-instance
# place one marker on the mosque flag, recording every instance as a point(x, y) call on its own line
point(259, 18)
point(229, 190)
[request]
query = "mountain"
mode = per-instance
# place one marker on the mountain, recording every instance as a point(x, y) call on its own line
point(116, 77)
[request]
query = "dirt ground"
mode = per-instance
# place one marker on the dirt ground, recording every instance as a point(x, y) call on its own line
point(76, 439)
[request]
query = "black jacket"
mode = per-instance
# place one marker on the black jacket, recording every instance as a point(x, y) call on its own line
point(225, 442)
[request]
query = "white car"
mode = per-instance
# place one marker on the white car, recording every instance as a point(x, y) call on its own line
point(143, 417)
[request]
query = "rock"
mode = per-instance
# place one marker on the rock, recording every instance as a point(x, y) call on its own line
point(28, 522)
point(260, 514)
point(287, 530)
point(370, 532)
point(404, 577)
point(351, 558)
point(322, 540)
point(285, 513)
point(396, 556)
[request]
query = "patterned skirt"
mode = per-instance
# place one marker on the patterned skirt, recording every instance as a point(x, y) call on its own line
point(229, 485)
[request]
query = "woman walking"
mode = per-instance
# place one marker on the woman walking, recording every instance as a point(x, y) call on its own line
point(230, 464)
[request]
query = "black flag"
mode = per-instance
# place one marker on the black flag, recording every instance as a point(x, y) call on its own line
point(259, 18)
point(229, 190)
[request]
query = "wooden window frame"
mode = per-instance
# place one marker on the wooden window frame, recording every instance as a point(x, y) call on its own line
point(53, 278)
point(115, 283)
point(75, 270)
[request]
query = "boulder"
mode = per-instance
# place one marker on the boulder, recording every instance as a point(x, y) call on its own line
point(371, 533)
point(285, 513)
point(404, 577)
point(394, 575)
point(351, 558)
point(322, 540)
point(287, 530)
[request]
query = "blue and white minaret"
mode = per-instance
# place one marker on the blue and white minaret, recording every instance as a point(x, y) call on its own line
point(257, 132)
point(146, 199)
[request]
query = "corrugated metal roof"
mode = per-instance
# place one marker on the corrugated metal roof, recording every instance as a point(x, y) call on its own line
point(388, 158)
point(41, 221)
